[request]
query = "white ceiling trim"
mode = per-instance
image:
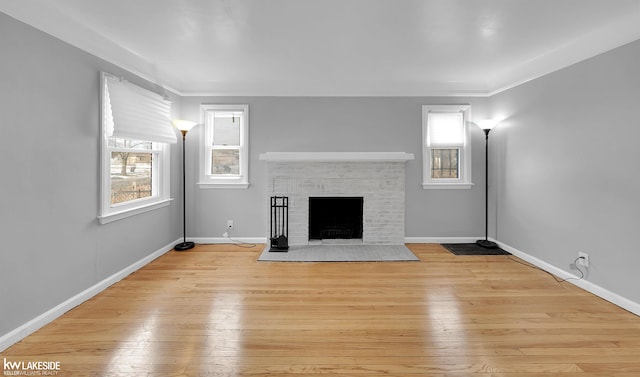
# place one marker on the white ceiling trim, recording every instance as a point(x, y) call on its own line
point(47, 17)
point(589, 45)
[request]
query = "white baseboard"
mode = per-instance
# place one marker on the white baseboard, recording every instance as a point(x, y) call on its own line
point(33, 325)
point(221, 240)
point(588, 286)
point(442, 239)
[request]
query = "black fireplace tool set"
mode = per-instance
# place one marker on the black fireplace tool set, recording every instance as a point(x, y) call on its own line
point(279, 224)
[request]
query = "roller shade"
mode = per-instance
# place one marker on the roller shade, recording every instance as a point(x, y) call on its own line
point(445, 129)
point(132, 112)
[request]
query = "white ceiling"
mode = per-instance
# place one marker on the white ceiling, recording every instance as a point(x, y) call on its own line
point(337, 47)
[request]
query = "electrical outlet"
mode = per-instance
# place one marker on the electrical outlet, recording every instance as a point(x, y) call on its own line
point(583, 259)
point(229, 224)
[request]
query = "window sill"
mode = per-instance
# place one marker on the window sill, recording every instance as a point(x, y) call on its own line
point(225, 185)
point(447, 186)
point(115, 216)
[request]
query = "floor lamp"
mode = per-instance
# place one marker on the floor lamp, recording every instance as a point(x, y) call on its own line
point(184, 126)
point(486, 126)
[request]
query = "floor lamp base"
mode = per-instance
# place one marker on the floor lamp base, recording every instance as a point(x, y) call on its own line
point(487, 244)
point(182, 246)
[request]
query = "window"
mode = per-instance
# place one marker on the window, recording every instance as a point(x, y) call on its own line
point(446, 148)
point(224, 147)
point(135, 136)
point(132, 165)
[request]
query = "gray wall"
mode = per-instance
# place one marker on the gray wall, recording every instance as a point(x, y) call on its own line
point(328, 124)
point(52, 245)
point(568, 168)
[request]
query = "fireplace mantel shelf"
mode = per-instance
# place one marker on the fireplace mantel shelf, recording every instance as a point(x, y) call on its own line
point(336, 156)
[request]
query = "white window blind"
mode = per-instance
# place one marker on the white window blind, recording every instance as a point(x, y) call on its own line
point(445, 129)
point(132, 112)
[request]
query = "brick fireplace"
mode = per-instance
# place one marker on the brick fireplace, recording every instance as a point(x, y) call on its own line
point(377, 177)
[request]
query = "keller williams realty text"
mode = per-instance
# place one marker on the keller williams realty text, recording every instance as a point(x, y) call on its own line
point(31, 368)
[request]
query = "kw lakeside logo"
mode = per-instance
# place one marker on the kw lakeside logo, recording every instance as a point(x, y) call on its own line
point(31, 368)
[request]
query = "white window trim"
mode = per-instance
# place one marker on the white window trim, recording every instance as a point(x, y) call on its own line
point(161, 195)
point(464, 181)
point(208, 181)
point(141, 208)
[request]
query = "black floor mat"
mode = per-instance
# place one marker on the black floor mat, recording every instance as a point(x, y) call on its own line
point(472, 249)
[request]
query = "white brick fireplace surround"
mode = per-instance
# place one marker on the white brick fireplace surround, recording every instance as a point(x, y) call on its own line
point(378, 177)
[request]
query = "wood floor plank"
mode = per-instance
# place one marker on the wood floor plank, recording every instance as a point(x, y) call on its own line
point(217, 311)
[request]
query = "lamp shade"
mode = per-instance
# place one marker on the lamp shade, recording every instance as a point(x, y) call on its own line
point(184, 125)
point(487, 124)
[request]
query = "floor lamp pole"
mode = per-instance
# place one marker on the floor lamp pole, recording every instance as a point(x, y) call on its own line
point(184, 245)
point(485, 242)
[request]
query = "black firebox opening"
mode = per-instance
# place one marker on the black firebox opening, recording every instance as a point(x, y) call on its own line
point(335, 217)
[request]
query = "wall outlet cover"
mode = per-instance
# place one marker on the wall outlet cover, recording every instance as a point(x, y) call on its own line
point(584, 259)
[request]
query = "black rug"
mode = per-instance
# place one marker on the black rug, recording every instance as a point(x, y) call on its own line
point(472, 249)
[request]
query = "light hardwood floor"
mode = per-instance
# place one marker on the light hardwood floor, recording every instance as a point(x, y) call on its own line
point(216, 311)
